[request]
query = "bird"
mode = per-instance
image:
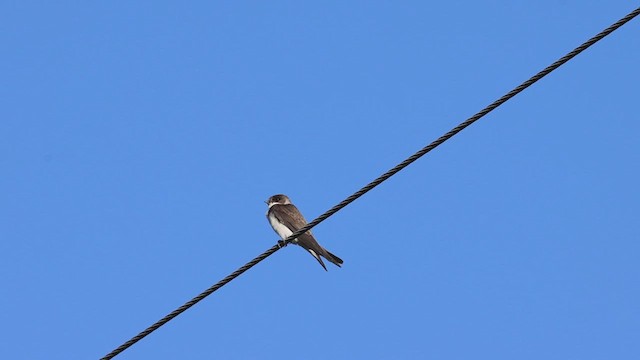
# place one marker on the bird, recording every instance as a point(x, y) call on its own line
point(285, 219)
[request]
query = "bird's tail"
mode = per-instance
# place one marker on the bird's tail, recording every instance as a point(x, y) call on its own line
point(334, 259)
point(327, 255)
point(317, 257)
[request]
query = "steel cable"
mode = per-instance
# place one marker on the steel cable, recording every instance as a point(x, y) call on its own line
point(377, 181)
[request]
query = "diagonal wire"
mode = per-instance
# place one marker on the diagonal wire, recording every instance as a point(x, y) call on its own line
point(378, 181)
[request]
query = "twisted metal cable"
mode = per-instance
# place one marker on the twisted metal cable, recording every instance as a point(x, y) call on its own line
point(464, 124)
point(377, 181)
point(191, 302)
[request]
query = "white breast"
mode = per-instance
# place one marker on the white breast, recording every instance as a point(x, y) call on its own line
point(282, 230)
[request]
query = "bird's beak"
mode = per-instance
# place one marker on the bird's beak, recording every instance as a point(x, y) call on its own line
point(266, 202)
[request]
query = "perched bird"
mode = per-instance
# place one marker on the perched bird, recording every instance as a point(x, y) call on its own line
point(285, 219)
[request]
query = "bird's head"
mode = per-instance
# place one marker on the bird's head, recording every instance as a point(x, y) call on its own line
point(278, 199)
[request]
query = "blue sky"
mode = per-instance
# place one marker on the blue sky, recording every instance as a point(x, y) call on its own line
point(139, 140)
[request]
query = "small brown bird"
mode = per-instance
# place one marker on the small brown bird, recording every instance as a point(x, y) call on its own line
point(285, 219)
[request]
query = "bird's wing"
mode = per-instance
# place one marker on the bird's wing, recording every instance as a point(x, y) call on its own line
point(290, 216)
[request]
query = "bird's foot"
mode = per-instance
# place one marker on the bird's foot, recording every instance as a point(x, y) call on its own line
point(281, 243)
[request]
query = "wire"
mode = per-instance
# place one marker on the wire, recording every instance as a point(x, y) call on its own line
point(377, 181)
point(191, 302)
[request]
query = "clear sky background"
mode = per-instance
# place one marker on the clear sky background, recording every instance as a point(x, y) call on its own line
point(138, 141)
